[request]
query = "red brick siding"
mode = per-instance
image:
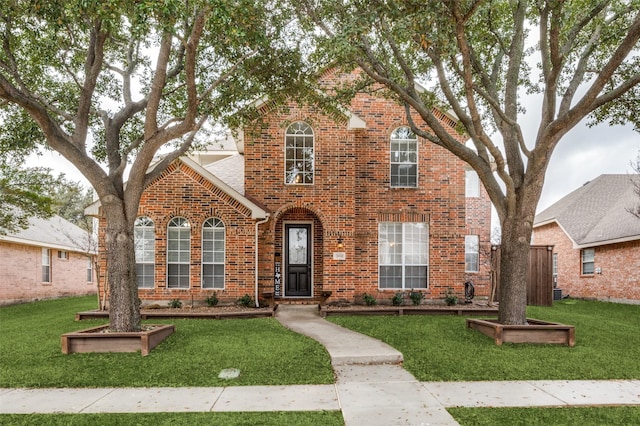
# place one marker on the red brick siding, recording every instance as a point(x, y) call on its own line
point(619, 263)
point(478, 222)
point(181, 192)
point(351, 194)
point(21, 274)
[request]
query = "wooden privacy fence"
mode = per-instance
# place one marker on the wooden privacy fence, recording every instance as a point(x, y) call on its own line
point(539, 278)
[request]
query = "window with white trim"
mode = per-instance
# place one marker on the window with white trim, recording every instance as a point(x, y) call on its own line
point(471, 253)
point(472, 184)
point(588, 261)
point(144, 238)
point(213, 242)
point(299, 154)
point(404, 158)
point(89, 269)
point(403, 255)
point(46, 265)
point(178, 253)
point(63, 254)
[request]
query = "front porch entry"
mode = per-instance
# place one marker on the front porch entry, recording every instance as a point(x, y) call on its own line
point(298, 260)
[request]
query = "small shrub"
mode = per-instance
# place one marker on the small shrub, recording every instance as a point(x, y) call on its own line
point(450, 298)
point(396, 300)
point(245, 300)
point(212, 300)
point(416, 297)
point(369, 300)
point(175, 304)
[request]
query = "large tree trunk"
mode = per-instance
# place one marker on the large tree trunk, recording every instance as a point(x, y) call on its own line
point(517, 229)
point(124, 305)
point(514, 264)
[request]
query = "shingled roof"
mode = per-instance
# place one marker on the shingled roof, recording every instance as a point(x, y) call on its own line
point(597, 213)
point(55, 233)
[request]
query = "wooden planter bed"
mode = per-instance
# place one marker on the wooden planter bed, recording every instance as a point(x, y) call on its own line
point(536, 331)
point(99, 339)
point(326, 311)
point(184, 314)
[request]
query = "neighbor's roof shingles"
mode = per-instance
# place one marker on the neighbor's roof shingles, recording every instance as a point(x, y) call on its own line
point(597, 213)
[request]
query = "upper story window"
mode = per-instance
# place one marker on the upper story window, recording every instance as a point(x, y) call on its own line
point(471, 253)
point(144, 238)
point(404, 158)
point(472, 184)
point(213, 239)
point(299, 154)
point(178, 253)
point(588, 261)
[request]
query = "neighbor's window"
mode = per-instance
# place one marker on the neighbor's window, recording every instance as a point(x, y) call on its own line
point(403, 255)
point(144, 237)
point(299, 154)
point(404, 158)
point(89, 269)
point(588, 257)
point(46, 265)
point(471, 253)
point(213, 240)
point(63, 254)
point(178, 253)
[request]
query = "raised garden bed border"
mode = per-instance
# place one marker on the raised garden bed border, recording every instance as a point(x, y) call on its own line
point(179, 314)
point(536, 331)
point(94, 339)
point(461, 310)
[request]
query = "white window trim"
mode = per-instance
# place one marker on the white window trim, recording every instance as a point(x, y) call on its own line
point(476, 253)
point(188, 262)
point(152, 227)
point(224, 240)
point(592, 261)
point(404, 288)
point(46, 263)
point(417, 163)
point(313, 159)
point(469, 191)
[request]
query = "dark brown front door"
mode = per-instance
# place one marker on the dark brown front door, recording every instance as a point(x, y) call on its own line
point(298, 260)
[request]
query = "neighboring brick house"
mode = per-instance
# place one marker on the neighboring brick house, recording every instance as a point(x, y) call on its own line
point(313, 208)
point(47, 260)
point(596, 240)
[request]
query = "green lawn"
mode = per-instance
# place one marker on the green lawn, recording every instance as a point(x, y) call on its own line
point(263, 350)
point(441, 348)
point(583, 416)
point(275, 418)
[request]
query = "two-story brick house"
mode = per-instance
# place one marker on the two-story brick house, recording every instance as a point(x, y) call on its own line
point(313, 208)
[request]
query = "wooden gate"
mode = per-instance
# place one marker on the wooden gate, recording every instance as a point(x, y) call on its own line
point(539, 278)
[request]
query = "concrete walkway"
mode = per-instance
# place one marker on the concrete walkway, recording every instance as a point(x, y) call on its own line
point(371, 388)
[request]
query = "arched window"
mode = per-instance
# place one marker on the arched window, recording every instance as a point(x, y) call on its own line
point(213, 242)
point(178, 253)
point(299, 168)
point(144, 238)
point(404, 158)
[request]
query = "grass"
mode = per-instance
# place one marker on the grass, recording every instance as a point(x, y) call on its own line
point(441, 348)
point(265, 352)
point(583, 416)
point(275, 418)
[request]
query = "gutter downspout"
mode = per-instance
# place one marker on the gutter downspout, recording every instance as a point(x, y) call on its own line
point(258, 223)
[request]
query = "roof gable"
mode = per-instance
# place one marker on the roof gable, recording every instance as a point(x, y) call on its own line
point(597, 213)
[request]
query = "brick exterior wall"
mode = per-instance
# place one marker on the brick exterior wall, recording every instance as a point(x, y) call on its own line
point(350, 196)
point(21, 274)
point(181, 192)
point(619, 264)
point(478, 222)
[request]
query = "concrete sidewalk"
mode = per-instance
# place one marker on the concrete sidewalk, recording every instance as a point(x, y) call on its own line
point(371, 388)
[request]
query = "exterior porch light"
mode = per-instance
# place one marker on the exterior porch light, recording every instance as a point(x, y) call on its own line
point(340, 245)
